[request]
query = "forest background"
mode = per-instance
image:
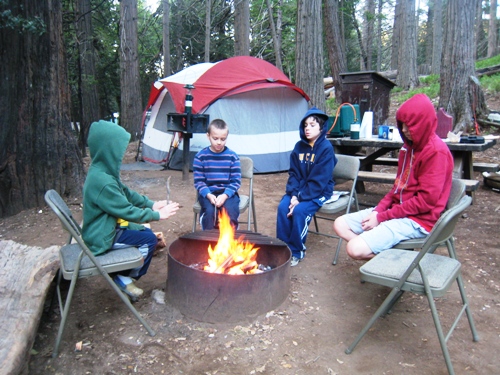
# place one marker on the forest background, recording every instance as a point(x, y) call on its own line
point(65, 64)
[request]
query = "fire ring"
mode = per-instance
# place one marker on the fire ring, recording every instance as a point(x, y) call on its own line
point(222, 298)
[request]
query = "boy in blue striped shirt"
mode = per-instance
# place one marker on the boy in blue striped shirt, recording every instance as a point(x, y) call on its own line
point(217, 177)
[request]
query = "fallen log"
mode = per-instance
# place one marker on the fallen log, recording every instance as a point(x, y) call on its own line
point(26, 274)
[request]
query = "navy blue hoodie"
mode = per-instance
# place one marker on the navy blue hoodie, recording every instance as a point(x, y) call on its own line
point(311, 166)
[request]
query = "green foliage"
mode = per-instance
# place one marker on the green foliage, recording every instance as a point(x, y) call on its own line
point(491, 83)
point(9, 18)
point(492, 61)
point(428, 85)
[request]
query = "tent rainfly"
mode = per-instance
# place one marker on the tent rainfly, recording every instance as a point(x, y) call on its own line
point(258, 102)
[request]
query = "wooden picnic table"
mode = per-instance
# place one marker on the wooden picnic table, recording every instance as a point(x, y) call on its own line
point(462, 153)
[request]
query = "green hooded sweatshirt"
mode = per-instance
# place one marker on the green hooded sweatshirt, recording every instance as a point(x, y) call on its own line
point(105, 198)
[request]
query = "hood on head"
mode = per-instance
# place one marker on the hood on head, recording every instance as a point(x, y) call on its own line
point(107, 143)
point(316, 112)
point(419, 114)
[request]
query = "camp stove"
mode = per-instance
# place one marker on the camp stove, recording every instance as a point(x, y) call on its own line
point(220, 297)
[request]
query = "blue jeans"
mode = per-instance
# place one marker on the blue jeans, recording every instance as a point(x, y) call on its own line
point(209, 215)
point(145, 240)
point(293, 230)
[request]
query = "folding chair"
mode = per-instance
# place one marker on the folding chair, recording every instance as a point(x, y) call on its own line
point(346, 169)
point(77, 261)
point(423, 273)
point(456, 193)
point(246, 201)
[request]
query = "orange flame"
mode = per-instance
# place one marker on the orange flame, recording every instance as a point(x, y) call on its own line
point(230, 256)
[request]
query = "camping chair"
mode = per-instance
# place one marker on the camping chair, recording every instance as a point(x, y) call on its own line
point(346, 169)
point(246, 201)
point(456, 193)
point(423, 273)
point(77, 261)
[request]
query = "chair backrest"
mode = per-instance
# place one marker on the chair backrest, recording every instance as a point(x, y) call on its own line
point(63, 212)
point(456, 193)
point(246, 165)
point(347, 168)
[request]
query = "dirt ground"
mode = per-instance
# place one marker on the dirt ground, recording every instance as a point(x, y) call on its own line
point(308, 334)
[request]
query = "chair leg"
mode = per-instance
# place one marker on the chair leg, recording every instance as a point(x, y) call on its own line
point(381, 310)
point(337, 252)
point(194, 221)
point(465, 301)
point(254, 214)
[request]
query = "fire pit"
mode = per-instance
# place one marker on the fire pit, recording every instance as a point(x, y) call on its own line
point(218, 297)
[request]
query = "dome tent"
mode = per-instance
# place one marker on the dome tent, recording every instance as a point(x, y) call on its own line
point(258, 102)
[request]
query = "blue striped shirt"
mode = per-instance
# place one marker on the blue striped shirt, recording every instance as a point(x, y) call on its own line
point(216, 172)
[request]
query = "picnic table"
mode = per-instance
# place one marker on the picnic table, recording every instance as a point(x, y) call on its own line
point(378, 147)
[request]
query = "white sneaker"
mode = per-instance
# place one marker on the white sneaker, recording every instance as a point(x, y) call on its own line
point(294, 261)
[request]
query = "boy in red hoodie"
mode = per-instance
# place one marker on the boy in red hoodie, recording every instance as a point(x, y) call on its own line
point(419, 195)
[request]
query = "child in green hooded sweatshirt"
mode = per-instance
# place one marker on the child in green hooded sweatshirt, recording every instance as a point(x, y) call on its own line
point(112, 213)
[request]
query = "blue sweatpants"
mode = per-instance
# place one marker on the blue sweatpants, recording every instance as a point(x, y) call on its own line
point(208, 213)
point(145, 240)
point(293, 230)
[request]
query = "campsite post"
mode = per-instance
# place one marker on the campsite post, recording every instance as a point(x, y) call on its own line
point(187, 136)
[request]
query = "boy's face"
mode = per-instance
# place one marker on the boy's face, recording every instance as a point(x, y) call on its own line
point(406, 131)
point(217, 138)
point(312, 129)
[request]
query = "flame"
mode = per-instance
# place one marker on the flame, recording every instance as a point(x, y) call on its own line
point(230, 256)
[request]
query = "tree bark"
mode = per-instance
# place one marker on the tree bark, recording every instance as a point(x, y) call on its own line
point(334, 45)
point(397, 34)
point(309, 51)
point(275, 34)
point(407, 61)
point(437, 36)
point(131, 106)
point(242, 28)
point(88, 95)
point(167, 70)
point(460, 94)
point(492, 30)
point(369, 20)
point(208, 28)
point(38, 150)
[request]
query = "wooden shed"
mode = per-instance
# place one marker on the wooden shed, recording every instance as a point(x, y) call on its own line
point(370, 91)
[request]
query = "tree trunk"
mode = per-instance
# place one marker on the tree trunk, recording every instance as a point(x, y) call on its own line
point(309, 51)
point(369, 20)
point(460, 94)
point(208, 28)
point(242, 28)
point(335, 45)
point(131, 106)
point(379, 35)
point(437, 36)
point(276, 36)
point(397, 34)
point(407, 61)
point(429, 31)
point(89, 97)
point(167, 69)
point(492, 30)
point(480, 49)
point(38, 151)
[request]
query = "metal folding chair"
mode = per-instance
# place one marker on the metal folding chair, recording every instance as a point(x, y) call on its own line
point(422, 273)
point(247, 202)
point(77, 261)
point(346, 169)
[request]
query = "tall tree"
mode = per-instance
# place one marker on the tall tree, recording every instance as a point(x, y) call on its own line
point(437, 36)
point(38, 151)
point(88, 95)
point(208, 28)
point(131, 105)
point(276, 31)
point(407, 59)
point(242, 28)
point(369, 22)
point(334, 45)
point(492, 30)
point(460, 94)
point(397, 32)
point(167, 70)
point(309, 51)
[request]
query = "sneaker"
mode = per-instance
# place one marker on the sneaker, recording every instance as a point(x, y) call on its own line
point(130, 289)
point(294, 261)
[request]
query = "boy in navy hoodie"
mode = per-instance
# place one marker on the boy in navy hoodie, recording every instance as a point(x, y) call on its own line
point(309, 184)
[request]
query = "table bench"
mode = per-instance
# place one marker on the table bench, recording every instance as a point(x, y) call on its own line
point(388, 178)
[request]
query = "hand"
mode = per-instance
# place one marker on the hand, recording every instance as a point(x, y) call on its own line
point(168, 210)
point(157, 206)
point(220, 200)
point(370, 221)
point(211, 198)
point(293, 202)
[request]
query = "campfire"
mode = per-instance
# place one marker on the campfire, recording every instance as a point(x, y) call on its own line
point(231, 256)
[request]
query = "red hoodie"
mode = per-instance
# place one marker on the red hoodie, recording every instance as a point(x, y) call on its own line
point(425, 168)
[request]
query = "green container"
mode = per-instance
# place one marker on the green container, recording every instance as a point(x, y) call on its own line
point(346, 118)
